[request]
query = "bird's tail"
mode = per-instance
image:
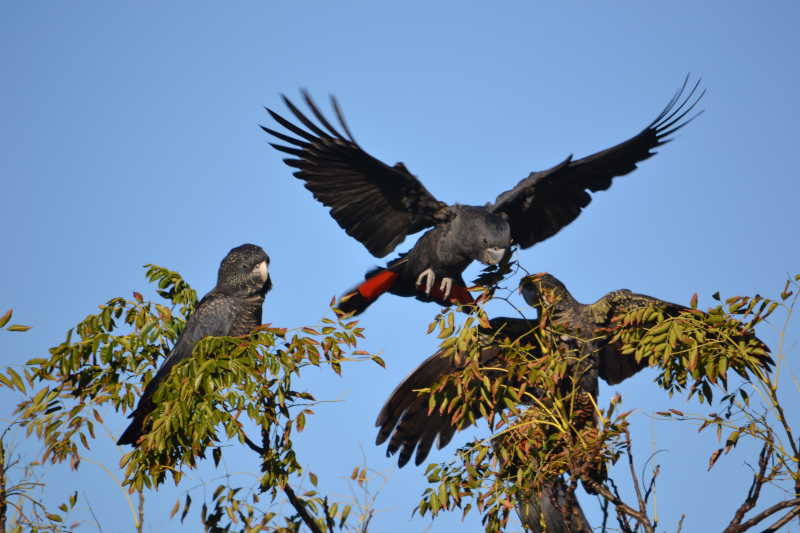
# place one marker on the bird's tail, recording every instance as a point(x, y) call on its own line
point(359, 298)
point(534, 510)
point(135, 430)
point(140, 425)
point(382, 280)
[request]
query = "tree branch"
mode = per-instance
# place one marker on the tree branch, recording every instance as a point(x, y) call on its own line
point(783, 521)
point(301, 509)
point(253, 446)
point(3, 493)
point(769, 512)
point(328, 517)
point(753, 493)
point(293, 499)
point(618, 504)
point(642, 506)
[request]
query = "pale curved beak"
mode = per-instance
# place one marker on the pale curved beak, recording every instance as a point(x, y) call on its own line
point(261, 268)
point(494, 255)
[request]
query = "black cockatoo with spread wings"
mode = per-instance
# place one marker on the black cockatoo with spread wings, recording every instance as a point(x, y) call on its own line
point(408, 422)
point(405, 416)
point(233, 307)
point(380, 205)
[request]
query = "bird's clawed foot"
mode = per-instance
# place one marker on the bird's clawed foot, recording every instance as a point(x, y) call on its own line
point(430, 279)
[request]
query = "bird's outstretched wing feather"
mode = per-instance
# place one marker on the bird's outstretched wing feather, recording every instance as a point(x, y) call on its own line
point(615, 366)
point(374, 203)
point(406, 420)
point(545, 202)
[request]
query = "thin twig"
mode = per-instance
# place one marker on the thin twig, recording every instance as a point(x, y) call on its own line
point(604, 508)
point(301, 509)
point(642, 506)
point(366, 522)
point(293, 499)
point(328, 517)
point(618, 504)
point(3, 505)
point(753, 493)
point(97, 522)
point(783, 521)
point(769, 512)
point(680, 523)
point(141, 513)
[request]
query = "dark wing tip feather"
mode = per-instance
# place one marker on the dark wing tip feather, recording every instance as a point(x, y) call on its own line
point(376, 204)
point(322, 119)
point(664, 124)
point(340, 116)
point(285, 138)
point(291, 127)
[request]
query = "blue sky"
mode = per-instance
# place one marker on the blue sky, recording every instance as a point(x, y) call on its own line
point(131, 136)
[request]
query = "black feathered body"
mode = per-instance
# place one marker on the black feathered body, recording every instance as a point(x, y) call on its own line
point(232, 308)
point(449, 249)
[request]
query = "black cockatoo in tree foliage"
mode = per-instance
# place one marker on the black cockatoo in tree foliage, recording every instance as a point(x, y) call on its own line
point(407, 420)
point(380, 205)
point(232, 308)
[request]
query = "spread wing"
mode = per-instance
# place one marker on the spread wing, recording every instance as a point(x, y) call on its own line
point(374, 203)
point(545, 202)
point(406, 420)
point(615, 366)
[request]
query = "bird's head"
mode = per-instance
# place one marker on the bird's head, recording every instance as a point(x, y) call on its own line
point(245, 268)
point(489, 235)
point(542, 290)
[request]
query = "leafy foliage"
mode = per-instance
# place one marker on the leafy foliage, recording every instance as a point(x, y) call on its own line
point(204, 400)
point(550, 427)
point(546, 423)
point(29, 514)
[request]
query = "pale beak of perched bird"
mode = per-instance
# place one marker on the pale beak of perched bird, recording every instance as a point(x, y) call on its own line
point(529, 293)
point(494, 255)
point(261, 268)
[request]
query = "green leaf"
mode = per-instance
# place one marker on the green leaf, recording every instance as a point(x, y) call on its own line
point(16, 379)
point(147, 327)
point(16, 327)
point(345, 514)
point(5, 318)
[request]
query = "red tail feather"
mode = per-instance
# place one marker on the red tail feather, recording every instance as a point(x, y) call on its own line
point(369, 291)
point(377, 285)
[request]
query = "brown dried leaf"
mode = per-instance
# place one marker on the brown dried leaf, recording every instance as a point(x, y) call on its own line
point(714, 457)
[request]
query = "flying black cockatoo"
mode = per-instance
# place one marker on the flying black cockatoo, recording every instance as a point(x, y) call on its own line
point(232, 308)
point(407, 421)
point(380, 205)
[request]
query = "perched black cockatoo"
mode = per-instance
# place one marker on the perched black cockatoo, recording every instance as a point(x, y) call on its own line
point(405, 417)
point(380, 205)
point(407, 421)
point(232, 308)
